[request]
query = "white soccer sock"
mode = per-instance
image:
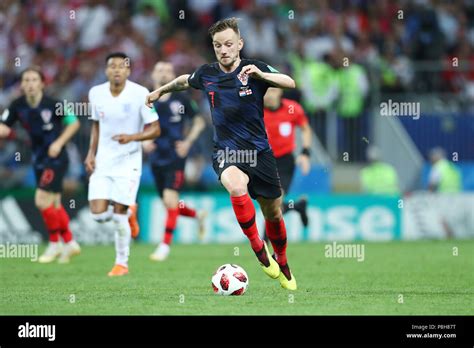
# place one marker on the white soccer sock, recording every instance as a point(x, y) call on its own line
point(122, 239)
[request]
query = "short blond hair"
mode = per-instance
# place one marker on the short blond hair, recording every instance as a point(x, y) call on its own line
point(223, 24)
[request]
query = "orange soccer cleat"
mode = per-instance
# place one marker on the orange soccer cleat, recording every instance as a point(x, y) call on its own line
point(118, 270)
point(133, 221)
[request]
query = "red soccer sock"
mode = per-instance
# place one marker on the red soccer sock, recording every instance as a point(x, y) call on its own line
point(51, 220)
point(171, 221)
point(245, 212)
point(185, 211)
point(276, 232)
point(66, 233)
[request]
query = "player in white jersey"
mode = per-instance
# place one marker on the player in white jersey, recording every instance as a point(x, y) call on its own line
point(114, 159)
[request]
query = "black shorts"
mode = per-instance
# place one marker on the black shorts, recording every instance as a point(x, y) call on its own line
point(286, 169)
point(263, 174)
point(169, 176)
point(50, 175)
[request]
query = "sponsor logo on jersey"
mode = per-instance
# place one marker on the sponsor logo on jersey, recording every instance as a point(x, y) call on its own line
point(244, 91)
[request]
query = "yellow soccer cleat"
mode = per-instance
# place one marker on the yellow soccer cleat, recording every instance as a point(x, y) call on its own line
point(273, 270)
point(284, 282)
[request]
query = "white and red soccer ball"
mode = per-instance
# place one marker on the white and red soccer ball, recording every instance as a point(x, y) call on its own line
point(230, 280)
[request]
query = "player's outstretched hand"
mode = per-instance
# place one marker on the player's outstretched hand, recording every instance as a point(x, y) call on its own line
point(54, 149)
point(304, 163)
point(153, 96)
point(252, 71)
point(4, 131)
point(90, 163)
point(122, 138)
point(182, 148)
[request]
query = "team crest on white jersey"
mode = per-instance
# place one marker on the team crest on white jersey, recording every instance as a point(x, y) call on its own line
point(127, 108)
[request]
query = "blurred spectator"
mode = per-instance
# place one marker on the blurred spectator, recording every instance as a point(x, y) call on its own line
point(92, 21)
point(403, 45)
point(444, 177)
point(259, 31)
point(319, 88)
point(353, 87)
point(378, 178)
point(147, 24)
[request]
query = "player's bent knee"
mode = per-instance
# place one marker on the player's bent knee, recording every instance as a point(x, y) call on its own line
point(272, 214)
point(236, 191)
point(42, 202)
point(102, 217)
point(170, 201)
point(120, 218)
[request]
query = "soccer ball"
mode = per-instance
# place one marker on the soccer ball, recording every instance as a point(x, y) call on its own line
point(230, 279)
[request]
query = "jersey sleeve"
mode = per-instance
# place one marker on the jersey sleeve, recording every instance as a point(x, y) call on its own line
point(300, 116)
point(9, 116)
point(92, 103)
point(68, 117)
point(195, 80)
point(264, 67)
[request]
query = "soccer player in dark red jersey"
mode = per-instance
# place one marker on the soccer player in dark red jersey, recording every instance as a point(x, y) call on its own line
point(167, 154)
point(281, 116)
point(243, 159)
point(49, 130)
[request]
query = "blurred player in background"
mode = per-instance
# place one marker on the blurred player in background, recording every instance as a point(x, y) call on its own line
point(281, 116)
point(115, 154)
point(168, 154)
point(235, 88)
point(49, 130)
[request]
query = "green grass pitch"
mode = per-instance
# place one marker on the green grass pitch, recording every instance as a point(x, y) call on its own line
point(425, 276)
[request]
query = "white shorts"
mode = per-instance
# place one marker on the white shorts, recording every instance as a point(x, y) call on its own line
point(120, 189)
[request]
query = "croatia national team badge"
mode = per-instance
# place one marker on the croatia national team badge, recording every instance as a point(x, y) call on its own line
point(243, 78)
point(46, 115)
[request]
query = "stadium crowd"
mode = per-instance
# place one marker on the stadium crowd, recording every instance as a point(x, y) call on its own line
point(337, 51)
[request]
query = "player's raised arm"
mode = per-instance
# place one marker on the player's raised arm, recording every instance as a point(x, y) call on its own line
point(178, 84)
point(276, 79)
